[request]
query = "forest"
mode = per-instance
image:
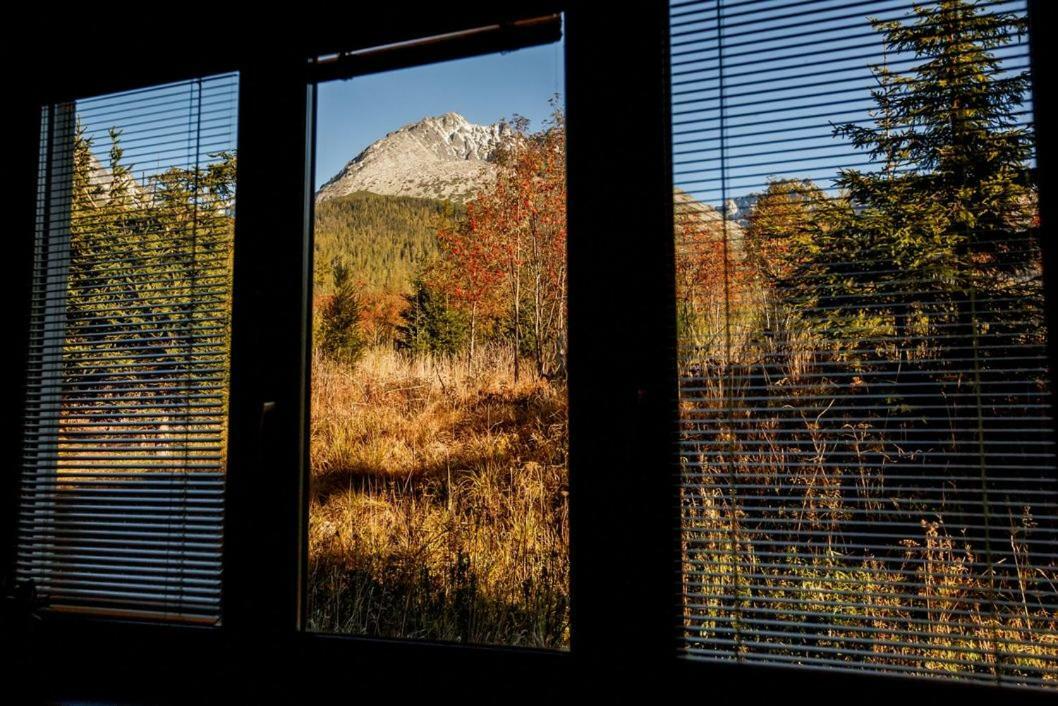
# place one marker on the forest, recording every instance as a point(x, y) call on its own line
point(382, 238)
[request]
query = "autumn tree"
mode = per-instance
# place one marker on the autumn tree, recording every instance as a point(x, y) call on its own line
point(532, 185)
point(504, 262)
point(705, 260)
point(472, 266)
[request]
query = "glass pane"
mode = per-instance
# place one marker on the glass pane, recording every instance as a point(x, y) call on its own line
point(439, 442)
point(125, 443)
point(867, 429)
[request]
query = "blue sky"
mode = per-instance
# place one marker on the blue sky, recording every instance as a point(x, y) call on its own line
point(354, 113)
point(790, 75)
point(172, 125)
point(788, 81)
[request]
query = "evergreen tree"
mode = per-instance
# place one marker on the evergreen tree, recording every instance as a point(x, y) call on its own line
point(947, 217)
point(340, 336)
point(429, 325)
point(149, 261)
point(924, 272)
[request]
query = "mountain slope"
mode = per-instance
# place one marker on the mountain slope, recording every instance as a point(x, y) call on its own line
point(383, 239)
point(443, 157)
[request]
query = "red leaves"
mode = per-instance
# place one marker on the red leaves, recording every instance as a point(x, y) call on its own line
point(511, 246)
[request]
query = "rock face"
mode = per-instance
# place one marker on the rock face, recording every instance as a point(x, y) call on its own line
point(705, 219)
point(442, 157)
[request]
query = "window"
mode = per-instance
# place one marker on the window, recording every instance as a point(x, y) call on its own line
point(125, 439)
point(438, 439)
point(867, 432)
point(675, 581)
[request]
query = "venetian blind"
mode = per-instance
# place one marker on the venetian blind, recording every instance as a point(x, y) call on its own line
point(866, 429)
point(124, 449)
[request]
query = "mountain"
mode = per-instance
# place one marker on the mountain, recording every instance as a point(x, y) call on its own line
point(739, 208)
point(442, 157)
point(705, 219)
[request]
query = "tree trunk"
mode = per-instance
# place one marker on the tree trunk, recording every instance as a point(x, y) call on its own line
point(473, 335)
point(517, 321)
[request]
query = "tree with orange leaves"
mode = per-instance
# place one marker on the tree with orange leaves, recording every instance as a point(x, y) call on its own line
point(712, 280)
point(470, 270)
point(505, 263)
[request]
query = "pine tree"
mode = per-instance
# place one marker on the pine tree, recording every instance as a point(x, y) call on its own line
point(925, 270)
point(429, 325)
point(143, 255)
point(340, 334)
point(948, 214)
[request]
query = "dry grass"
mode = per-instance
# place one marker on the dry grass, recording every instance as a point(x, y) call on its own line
point(930, 614)
point(796, 550)
point(438, 501)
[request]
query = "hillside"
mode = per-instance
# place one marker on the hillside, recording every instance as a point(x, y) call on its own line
point(385, 238)
point(382, 238)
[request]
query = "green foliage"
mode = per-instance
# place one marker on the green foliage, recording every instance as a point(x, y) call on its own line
point(149, 268)
point(384, 239)
point(901, 250)
point(909, 294)
point(340, 335)
point(430, 325)
point(779, 227)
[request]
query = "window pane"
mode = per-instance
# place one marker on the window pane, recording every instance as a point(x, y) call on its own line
point(438, 443)
point(866, 426)
point(125, 438)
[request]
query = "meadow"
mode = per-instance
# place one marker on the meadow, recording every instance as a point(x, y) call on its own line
point(439, 500)
point(820, 525)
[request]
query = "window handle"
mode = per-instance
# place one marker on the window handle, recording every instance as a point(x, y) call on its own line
point(20, 606)
point(264, 425)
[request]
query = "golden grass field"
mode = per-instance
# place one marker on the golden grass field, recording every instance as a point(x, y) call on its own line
point(927, 602)
point(438, 506)
point(439, 511)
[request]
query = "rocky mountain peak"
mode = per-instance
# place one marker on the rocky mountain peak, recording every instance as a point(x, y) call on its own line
point(443, 156)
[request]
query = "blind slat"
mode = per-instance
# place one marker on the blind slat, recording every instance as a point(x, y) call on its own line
point(125, 437)
point(866, 433)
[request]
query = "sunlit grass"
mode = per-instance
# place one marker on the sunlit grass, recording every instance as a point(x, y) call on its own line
point(438, 501)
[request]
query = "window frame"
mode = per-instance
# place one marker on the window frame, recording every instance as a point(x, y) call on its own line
point(623, 496)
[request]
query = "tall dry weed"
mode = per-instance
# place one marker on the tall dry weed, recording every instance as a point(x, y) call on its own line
point(438, 500)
